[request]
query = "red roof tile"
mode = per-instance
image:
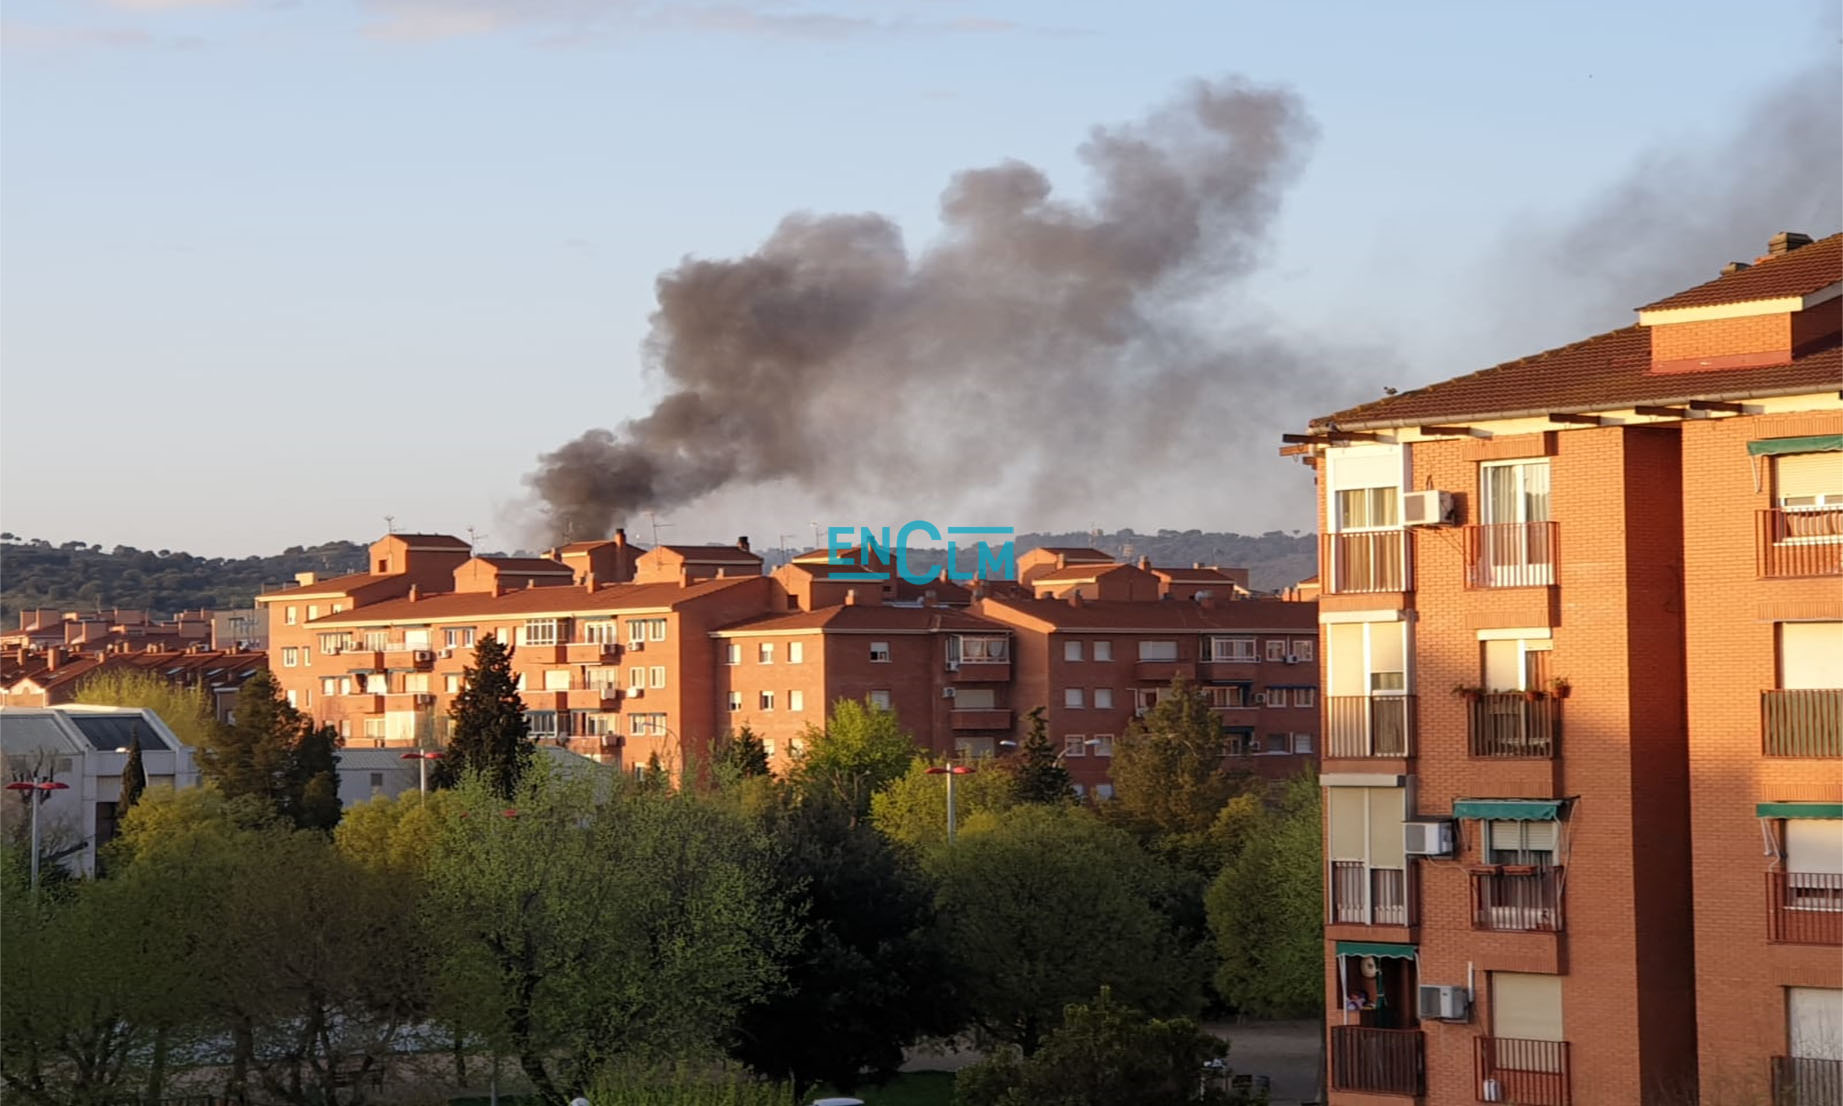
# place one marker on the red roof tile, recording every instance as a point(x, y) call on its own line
point(445, 541)
point(1797, 273)
point(569, 600)
point(336, 585)
point(1073, 573)
point(528, 565)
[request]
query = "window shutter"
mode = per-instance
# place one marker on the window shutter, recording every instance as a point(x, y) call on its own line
point(1386, 808)
point(1806, 474)
point(1810, 654)
point(1347, 821)
point(1526, 1006)
point(1373, 467)
point(1814, 845)
point(1814, 1022)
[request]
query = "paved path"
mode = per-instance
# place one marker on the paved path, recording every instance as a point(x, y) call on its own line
point(1285, 1052)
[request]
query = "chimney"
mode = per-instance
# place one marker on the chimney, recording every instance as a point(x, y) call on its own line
point(1733, 267)
point(1075, 599)
point(1785, 242)
point(588, 582)
point(1062, 560)
point(1145, 562)
point(52, 656)
point(851, 597)
point(415, 593)
point(620, 537)
point(742, 543)
point(1196, 564)
point(928, 598)
point(302, 579)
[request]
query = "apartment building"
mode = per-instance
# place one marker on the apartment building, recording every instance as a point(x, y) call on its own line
point(52, 677)
point(1581, 618)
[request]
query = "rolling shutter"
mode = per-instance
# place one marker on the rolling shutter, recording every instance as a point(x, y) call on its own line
point(1387, 807)
point(1814, 845)
point(1366, 467)
point(1798, 475)
point(1810, 654)
point(1526, 1006)
point(1345, 807)
point(1814, 1022)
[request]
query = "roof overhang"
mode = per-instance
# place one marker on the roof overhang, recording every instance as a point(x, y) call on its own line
point(1478, 418)
point(1778, 305)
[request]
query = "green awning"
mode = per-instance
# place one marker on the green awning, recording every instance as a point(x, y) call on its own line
point(1509, 810)
point(1816, 443)
point(1799, 810)
point(1376, 948)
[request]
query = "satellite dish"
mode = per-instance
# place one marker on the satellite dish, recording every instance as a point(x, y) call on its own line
point(1369, 967)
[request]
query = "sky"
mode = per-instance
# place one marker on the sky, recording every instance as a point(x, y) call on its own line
point(272, 272)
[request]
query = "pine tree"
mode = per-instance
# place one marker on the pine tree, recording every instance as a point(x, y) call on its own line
point(740, 756)
point(313, 780)
point(491, 735)
point(134, 776)
point(274, 752)
point(1041, 775)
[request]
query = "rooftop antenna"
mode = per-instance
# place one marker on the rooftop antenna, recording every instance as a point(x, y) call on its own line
point(390, 524)
point(782, 540)
point(473, 536)
point(816, 542)
point(653, 517)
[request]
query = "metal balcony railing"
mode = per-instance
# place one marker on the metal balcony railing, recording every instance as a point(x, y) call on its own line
point(1518, 901)
point(1802, 722)
point(1366, 561)
point(1385, 1061)
point(1515, 724)
point(1804, 908)
point(1369, 725)
point(1802, 1081)
point(1803, 541)
point(1510, 554)
point(1528, 1073)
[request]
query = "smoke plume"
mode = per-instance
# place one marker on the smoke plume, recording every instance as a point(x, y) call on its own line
point(1036, 341)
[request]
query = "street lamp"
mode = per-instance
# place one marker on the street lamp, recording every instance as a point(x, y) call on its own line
point(950, 771)
point(422, 767)
point(39, 789)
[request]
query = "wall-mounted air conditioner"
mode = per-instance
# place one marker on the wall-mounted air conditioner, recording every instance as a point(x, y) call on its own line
point(1292, 658)
point(636, 692)
point(1429, 508)
point(1427, 838)
point(1259, 699)
point(637, 646)
point(947, 692)
point(423, 656)
point(1444, 1002)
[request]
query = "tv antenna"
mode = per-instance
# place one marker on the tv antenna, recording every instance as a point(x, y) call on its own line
point(473, 536)
point(653, 518)
point(782, 540)
point(390, 524)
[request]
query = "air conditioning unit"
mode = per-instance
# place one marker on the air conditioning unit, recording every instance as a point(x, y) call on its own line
point(423, 700)
point(1427, 838)
point(947, 692)
point(635, 692)
point(637, 646)
point(446, 653)
point(953, 666)
point(1292, 658)
point(424, 656)
point(1430, 508)
point(1260, 699)
point(1493, 1091)
point(1444, 1002)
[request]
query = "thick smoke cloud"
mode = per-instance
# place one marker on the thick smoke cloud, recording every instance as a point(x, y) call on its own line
point(1036, 342)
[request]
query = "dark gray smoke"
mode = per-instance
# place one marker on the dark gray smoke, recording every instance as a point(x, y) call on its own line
point(1036, 342)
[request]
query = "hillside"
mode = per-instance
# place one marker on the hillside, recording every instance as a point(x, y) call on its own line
point(76, 575)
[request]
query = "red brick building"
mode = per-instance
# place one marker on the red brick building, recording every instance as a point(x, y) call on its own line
point(1581, 619)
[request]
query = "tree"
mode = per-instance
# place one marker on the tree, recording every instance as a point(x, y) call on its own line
point(912, 810)
point(1041, 775)
point(1169, 779)
point(1042, 906)
point(739, 756)
point(275, 752)
point(187, 711)
point(861, 749)
point(1103, 1052)
point(312, 798)
point(868, 976)
point(1264, 910)
point(491, 734)
point(134, 775)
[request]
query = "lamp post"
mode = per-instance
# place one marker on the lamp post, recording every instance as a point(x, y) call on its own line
point(950, 771)
point(36, 790)
point(422, 759)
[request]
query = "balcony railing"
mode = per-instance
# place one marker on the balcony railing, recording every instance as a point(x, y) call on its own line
point(1515, 724)
point(1366, 560)
point(1801, 1081)
point(1369, 725)
point(1528, 1073)
point(1802, 722)
point(1801, 542)
point(1384, 1061)
point(1804, 908)
point(1510, 554)
point(980, 718)
point(1517, 901)
point(1361, 895)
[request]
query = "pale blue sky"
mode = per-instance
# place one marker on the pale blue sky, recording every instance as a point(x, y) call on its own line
point(274, 270)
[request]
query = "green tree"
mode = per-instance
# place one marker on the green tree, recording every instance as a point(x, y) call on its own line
point(491, 734)
point(1170, 781)
point(861, 749)
point(1042, 906)
point(396, 835)
point(739, 756)
point(1103, 1052)
point(1041, 775)
point(274, 752)
point(134, 775)
point(912, 810)
point(1264, 910)
point(187, 711)
point(868, 976)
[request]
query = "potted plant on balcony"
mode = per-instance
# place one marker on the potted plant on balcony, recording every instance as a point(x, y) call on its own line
point(1559, 687)
point(1534, 695)
point(1471, 693)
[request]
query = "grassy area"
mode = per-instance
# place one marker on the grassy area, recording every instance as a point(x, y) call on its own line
point(915, 1088)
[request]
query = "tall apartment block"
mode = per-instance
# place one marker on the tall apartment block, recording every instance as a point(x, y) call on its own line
point(1582, 624)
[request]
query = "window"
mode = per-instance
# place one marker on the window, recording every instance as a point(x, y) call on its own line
point(1072, 697)
point(602, 631)
point(1810, 654)
point(657, 676)
point(520, 682)
point(461, 637)
point(292, 698)
point(374, 727)
point(345, 727)
point(1302, 744)
point(1103, 745)
point(1080, 789)
point(338, 607)
point(796, 652)
point(334, 643)
point(1808, 481)
point(1527, 1006)
point(655, 629)
point(969, 649)
point(313, 611)
point(764, 653)
point(796, 700)
point(417, 683)
point(538, 631)
point(345, 685)
point(765, 700)
point(451, 683)
point(1276, 649)
point(636, 631)
point(1103, 698)
point(636, 676)
point(1158, 650)
point(1305, 696)
point(377, 639)
point(1103, 650)
point(1509, 842)
point(290, 657)
point(1368, 508)
point(1366, 658)
point(1813, 864)
point(879, 700)
point(647, 725)
point(377, 783)
point(768, 747)
point(732, 653)
point(1814, 1025)
point(543, 723)
point(796, 747)
point(975, 698)
point(604, 678)
point(556, 679)
point(880, 652)
point(1273, 696)
point(1515, 548)
point(1071, 650)
point(290, 616)
point(1303, 648)
point(1231, 649)
point(1103, 791)
point(1074, 746)
point(329, 685)
point(735, 700)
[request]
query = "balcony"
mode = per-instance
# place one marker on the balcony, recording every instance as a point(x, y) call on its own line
point(1517, 900)
point(979, 672)
point(1163, 672)
point(1801, 542)
point(1381, 1061)
point(591, 652)
point(1802, 722)
point(1369, 725)
point(981, 718)
point(1510, 555)
point(1521, 724)
point(1361, 895)
point(1802, 1081)
point(1804, 908)
point(1528, 1073)
point(1365, 561)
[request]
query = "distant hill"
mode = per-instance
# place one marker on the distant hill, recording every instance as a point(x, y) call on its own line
point(77, 576)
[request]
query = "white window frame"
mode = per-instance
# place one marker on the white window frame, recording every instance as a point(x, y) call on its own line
point(879, 652)
point(1274, 649)
point(732, 653)
point(878, 699)
point(1072, 698)
point(796, 699)
point(1074, 745)
point(796, 652)
point(1305, 697)
point(1233, 650)
point(1103, 650)
point(764, 701)
point(1071, 650)
point(1103, 698)
point(1103, 744)
point(1305, 648)
point(656, 677)
point(735, 701)
point(1175, 652)
point(764, 652)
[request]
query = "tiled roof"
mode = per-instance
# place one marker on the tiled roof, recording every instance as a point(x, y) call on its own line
point(527, 565)
point(336, 585)
point(1164, 615)
point(561, 600)
point(1072, 573)
point(1605, 372)
point(1797, 273)
point(1205, 575)
point(707, 552)
point(867, 617)
point(444, 540)
point(1071, 552)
